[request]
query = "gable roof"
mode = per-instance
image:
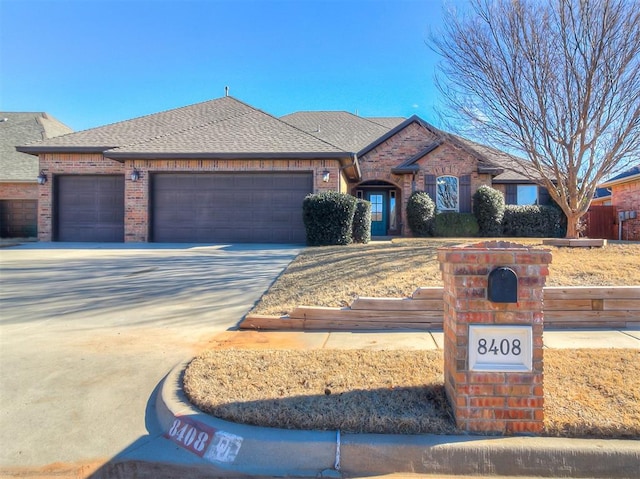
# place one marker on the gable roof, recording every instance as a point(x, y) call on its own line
point(349, 132)
point(17, 128)
point(228, 128)
point(504, 167)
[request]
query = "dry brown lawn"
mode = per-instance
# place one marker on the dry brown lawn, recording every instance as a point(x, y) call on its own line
point(336, 275)
point(588, 393)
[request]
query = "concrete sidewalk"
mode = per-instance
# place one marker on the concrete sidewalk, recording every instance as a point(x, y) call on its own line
point(196, 443)
point(412, 340)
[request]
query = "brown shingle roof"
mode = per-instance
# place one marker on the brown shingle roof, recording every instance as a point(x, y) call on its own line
point(340, 128)
point(514, 167)
point(387, 121)
point(252, 133)
point(224, 126)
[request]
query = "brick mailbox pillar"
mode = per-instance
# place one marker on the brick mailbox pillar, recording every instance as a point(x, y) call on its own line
point(493, 322)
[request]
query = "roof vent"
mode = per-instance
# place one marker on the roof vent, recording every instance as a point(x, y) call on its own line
point(226, 91)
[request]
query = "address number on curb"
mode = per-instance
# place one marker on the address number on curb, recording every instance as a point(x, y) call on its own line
point(190, 435)
point(500, 348)
point(207, 442)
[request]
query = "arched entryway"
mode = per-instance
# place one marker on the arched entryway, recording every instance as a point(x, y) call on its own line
point(385, 206)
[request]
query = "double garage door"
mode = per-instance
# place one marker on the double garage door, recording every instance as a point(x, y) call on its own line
point(229, 207)
point(188, 207)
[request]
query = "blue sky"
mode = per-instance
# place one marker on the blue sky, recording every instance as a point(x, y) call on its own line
point(93, 62)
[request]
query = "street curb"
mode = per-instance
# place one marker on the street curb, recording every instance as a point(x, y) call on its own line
point(283, 452)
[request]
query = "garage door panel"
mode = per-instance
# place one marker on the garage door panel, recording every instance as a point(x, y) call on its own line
point(18, 218)
point(90, 208)
point(229, 207)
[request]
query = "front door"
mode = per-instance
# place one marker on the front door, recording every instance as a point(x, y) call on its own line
point(379, 214)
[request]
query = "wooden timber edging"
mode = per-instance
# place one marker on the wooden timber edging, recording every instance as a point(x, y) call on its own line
point(564, 307)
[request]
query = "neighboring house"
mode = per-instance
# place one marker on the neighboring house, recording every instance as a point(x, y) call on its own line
point(18, 171)
point(624, 196)
point(224, 171)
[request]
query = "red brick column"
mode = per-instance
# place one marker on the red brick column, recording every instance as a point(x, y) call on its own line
point(486, 400)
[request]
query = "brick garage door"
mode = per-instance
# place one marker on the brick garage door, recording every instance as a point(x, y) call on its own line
point(229, 207)
point(89, 208)
point(18, 218)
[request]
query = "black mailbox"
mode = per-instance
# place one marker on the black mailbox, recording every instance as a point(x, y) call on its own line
point(503, 286)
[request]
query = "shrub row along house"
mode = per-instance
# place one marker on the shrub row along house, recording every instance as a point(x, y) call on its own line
point(224, 171)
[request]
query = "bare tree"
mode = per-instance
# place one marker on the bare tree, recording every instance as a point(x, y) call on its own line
point(555, 81)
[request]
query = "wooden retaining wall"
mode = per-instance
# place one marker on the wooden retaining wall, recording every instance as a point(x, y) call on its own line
point(564, 307)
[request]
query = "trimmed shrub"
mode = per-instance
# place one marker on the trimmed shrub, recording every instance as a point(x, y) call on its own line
point(328, 218)
point(362, 222)
point(533, 221)
point(450, 225)
point(488, 208)
point(420, 214)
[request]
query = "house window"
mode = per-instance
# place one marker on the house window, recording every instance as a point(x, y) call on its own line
point(447, 198)
point(393, 224)
point(527, 195)
point(376, 207)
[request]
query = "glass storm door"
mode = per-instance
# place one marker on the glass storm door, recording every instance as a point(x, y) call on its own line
point(378, 200)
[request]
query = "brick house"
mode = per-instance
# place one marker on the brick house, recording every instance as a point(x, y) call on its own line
point(624, 196)
point(18, 171)
point(224, 171)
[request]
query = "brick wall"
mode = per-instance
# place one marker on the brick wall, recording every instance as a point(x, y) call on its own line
point(492, 402)
point(19, 191)
point(137, 193)
point(447, 159)
point(626, 197)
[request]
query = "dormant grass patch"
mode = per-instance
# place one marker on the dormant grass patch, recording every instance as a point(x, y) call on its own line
point(336, 275)
point(354, 391)
point(588, 393)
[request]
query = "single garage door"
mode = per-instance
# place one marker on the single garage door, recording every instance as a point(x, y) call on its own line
point(18, 218)
point(90, 208)
point(229, 207)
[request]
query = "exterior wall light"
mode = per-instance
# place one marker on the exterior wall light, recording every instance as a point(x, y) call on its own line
point(326, 176)
point(135, 175)
point(42, 178)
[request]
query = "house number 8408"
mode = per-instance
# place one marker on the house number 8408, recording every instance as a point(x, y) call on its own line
point(504, 347)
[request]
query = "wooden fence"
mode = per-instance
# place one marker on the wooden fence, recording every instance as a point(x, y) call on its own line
point(601, 222)
point(564, 307)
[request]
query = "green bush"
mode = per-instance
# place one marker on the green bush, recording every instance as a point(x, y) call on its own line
point(533, 221)
point(450, 225)
point(362, 222)
point(328, 218)
point(420, 214)
point(488, 208)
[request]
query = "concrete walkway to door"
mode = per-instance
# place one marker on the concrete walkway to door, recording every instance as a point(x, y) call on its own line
point(88, 331)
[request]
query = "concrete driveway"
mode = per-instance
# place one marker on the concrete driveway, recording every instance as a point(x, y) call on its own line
point(87, 332)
